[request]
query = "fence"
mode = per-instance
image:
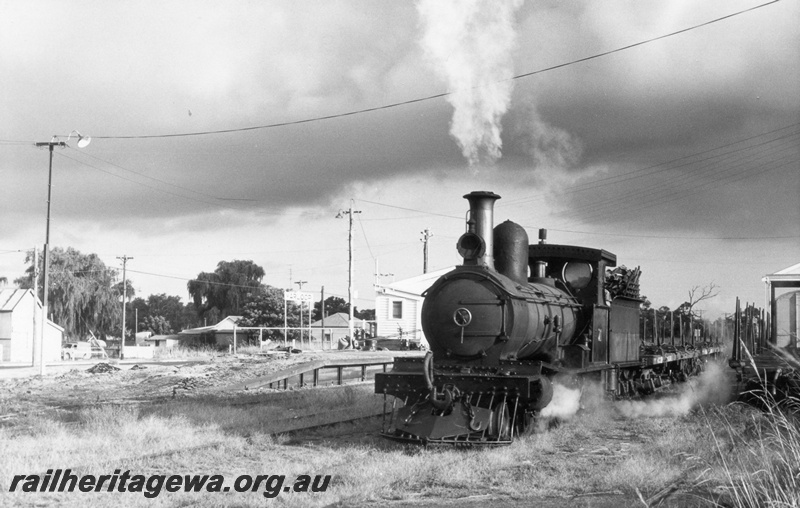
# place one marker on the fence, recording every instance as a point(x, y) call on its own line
point(327, 338)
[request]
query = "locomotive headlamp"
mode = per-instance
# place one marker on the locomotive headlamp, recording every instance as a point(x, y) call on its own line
point(471, 246)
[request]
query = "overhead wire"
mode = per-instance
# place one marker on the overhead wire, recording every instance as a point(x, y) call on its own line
point(438, 95)
point(655, 190)
point(659, 192)
point(645, 171)
point(151, 187)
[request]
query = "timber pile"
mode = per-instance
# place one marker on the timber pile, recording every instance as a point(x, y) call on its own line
point(101, 368)
point(623, 281)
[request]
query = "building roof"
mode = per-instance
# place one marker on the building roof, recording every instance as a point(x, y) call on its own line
point(10, 298)
point(154, 338)
point(414, 286)
point(226, 324)
point(338, 320)
point(791, 273)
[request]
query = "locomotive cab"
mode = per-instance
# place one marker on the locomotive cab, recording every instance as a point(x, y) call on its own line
point(579, 272)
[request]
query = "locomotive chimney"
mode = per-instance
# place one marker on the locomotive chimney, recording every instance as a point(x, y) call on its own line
point(476, 246)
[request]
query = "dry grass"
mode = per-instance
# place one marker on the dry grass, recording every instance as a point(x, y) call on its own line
point(758, 455)
point(710, 452)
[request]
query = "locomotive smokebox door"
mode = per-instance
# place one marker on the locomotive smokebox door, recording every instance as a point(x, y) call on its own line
point(465, 316)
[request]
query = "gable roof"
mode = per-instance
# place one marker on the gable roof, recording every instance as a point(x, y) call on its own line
point(338, 320)
point(414, 286)
point(10, 298)
point(224, 325)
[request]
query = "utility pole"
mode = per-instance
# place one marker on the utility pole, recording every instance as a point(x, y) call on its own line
point(340, 215)
point(124, 259)
point(83, 141)
point(322, 325)
point(35, 306)
point(46, 251)
point(426, 235)
point(300, 286)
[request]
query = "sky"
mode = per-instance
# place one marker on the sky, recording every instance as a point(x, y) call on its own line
point(667, 133)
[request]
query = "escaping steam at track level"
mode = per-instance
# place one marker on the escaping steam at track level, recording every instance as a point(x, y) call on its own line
point(710, 387)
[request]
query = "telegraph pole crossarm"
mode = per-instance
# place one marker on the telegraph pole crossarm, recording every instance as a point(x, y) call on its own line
point(426, 235)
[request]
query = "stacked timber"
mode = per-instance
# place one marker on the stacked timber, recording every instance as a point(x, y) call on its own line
point(623, 281)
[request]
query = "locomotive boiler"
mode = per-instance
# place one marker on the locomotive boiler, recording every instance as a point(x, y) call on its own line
point(505, 323)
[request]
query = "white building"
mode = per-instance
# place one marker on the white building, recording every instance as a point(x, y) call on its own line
point(783, 301)
point(398, 306)
point(20, 322)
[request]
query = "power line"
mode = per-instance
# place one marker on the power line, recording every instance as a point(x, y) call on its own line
point(613, 179)
point(655, 193)
point(439, 95)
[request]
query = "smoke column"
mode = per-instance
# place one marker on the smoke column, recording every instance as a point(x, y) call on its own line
point(469, 43)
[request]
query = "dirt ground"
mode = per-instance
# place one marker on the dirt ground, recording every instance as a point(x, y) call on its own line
point(71, 385)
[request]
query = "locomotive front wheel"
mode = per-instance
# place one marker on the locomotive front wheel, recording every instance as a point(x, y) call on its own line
point(500, 425)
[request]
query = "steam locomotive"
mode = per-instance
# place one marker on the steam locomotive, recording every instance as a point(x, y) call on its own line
point(511, 320)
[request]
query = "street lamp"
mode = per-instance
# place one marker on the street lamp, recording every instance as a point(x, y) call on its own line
point(82, 143)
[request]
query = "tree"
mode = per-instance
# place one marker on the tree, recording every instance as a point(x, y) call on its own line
point(156, 324)
point(333, 305)
point(83, 295)
point(366, 314)
point(265, 308)
point(130, 291)
point(226, 288)
point(167, 307)
point(697, 295)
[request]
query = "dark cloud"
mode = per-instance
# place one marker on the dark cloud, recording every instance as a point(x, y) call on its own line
point(108, 70)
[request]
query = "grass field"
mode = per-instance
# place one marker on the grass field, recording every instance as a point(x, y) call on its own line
point(734, 454)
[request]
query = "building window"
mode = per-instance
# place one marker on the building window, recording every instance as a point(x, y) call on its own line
point(397, 310)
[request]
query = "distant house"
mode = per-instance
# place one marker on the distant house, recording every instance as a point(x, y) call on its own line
point(398, 306)
point(337, 327)
point(20, 321)
point(141, 337)
point(220, 334)
point(163, 341)
point(783, 294)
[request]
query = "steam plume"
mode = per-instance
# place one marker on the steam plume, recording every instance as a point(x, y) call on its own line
point(566, 402)
point(709, 387)
point(469, 43)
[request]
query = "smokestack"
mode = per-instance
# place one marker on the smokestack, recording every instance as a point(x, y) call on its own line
point(476, 246)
